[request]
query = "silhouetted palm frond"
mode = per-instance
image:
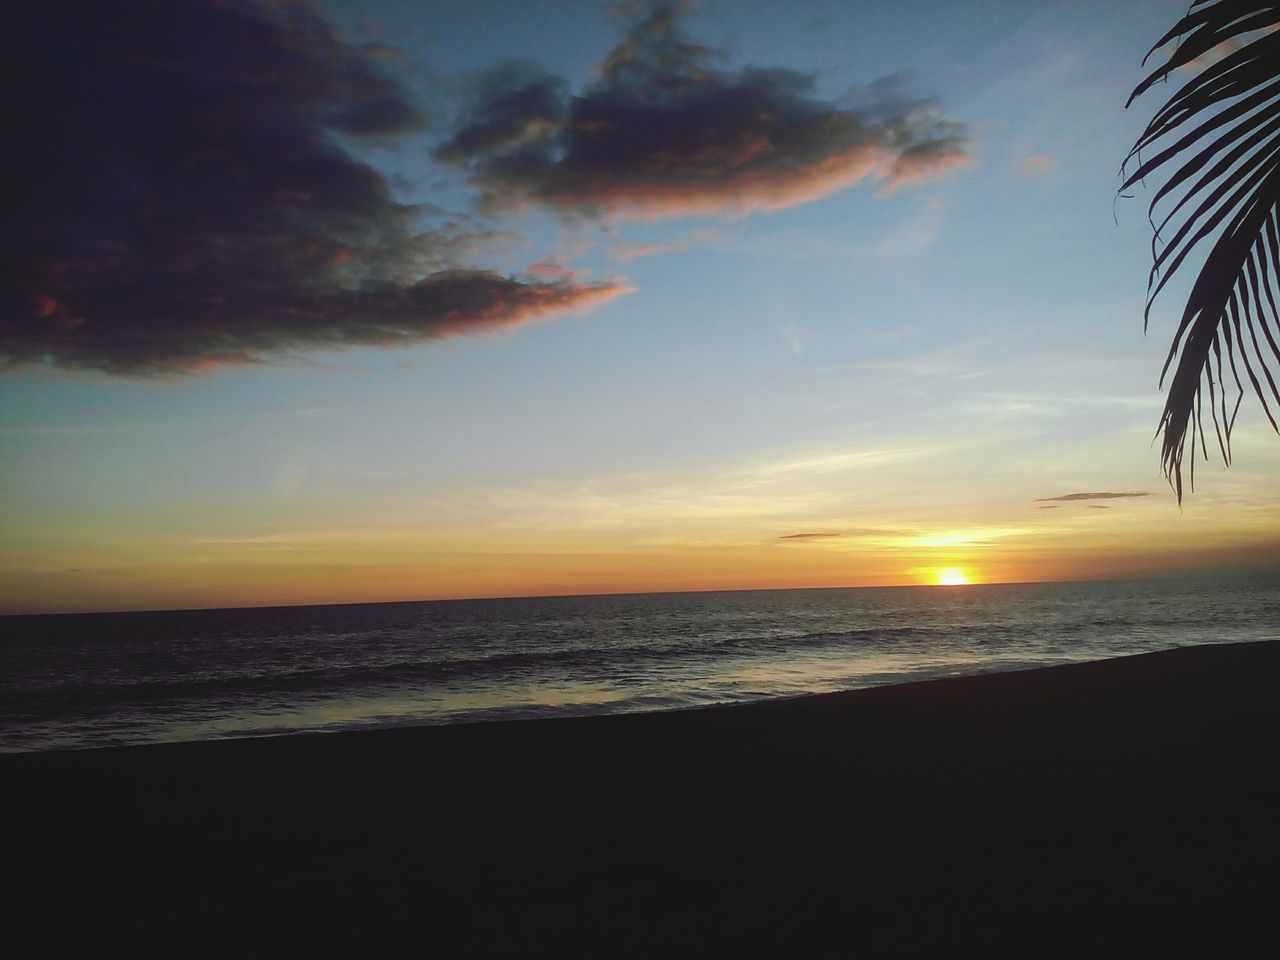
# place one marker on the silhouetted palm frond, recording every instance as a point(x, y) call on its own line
point(1223, 127)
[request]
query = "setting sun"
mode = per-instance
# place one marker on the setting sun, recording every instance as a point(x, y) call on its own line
point(502, 384)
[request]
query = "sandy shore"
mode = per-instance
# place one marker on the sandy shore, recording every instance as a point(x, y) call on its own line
point(1133, 803)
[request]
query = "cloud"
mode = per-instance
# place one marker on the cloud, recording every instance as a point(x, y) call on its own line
point(1224, 49)
point(663, 133)
point(1213, 55)
point(922, 162)
point(184, 199)
point(633, 251)
point(908, 238)
point(1091, 496)
point(1053, 506)
point(1098, 506)
point(552, 269)
point(969, 537)
point(1035, 165)
point(794, 338)
point(860, 532)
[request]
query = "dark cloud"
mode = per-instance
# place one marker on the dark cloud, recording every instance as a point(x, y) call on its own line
point(1053, 506)
point(180, 195)
point(1091, 496)
point(509, 107)
point(1098, 506)
point(810, 536)
point(664, 133)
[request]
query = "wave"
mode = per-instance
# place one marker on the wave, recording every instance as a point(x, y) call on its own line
point(601, 661)
point(142, 677)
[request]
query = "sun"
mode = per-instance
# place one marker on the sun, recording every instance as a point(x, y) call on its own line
point(950, 577)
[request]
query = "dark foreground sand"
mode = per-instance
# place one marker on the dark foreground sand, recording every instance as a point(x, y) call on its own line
point(1108, 809)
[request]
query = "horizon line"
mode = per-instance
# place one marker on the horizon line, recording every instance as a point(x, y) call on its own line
point(639, 593)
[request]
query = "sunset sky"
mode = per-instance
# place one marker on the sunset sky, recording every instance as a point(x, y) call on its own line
point(399, 300)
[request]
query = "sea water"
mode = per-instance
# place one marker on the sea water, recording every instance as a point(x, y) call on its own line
point(93, 680)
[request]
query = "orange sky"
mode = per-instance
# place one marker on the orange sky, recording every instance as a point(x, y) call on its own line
point(882, 318)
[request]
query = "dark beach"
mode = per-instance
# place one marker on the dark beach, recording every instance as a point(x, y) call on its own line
point(1120, 806)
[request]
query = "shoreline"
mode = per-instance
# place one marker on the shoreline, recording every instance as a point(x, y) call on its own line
point(1132, 797)
point(535, 714)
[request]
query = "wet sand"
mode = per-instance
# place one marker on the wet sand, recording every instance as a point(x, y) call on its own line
point(1131, 805)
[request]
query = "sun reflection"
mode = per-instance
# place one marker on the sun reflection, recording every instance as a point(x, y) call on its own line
point(950, 577)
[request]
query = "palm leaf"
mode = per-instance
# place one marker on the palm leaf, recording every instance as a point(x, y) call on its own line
point(1216, 142)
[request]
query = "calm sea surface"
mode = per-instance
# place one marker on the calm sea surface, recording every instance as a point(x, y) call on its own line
point(100, 679)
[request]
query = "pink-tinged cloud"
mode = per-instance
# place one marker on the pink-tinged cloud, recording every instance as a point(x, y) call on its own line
point(551, 269)
point(241, 329)
point(186, 205)
point(1227, 47)
point(1036, 165)
point(663, 133)
point(634, 251)
point(924, 162)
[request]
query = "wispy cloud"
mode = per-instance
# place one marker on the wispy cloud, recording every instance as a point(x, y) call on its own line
point(1036, 165)
point(794, 338)
point(857, 533)
point(968, 537)
point(663, 133)
point(911, 237)
point(1067, 497)
point(185, 202)
point(1224, 49)
point(633, 251)
point(898, 538)
point(818, 463)
point(552, 269)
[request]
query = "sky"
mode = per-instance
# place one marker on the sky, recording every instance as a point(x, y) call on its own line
point(364, 301)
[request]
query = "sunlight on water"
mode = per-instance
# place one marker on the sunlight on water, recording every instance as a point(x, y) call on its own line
point(526, 695)
point(133, 678)
point(531, 698)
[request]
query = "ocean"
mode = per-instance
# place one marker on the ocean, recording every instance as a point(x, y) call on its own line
point(95, 680)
